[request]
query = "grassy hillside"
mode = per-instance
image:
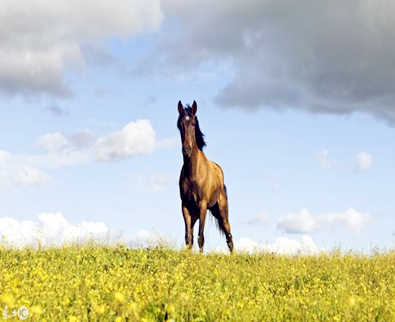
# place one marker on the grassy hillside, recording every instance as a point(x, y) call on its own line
point(81, 283)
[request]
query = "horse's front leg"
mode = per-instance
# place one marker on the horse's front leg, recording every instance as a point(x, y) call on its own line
point(188, 226)
point(202, 220)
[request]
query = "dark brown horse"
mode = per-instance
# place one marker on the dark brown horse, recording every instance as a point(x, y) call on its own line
point(201, 181)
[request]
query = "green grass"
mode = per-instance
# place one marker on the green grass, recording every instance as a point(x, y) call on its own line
point(93, 283)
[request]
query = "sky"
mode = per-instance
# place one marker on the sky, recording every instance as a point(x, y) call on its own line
point(296, 101)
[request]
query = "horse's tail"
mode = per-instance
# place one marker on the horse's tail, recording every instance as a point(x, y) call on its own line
point(216, 213)
point(218, 222)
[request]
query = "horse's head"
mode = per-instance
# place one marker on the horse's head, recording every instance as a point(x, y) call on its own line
point(188, 125)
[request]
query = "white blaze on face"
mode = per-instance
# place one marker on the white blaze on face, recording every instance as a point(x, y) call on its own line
point(187, 118)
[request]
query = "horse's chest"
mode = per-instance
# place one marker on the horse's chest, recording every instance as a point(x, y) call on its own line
point(191, 192)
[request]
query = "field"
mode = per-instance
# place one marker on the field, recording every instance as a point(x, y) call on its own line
point(98, 283)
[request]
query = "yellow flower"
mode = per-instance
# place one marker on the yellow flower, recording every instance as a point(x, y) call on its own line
point(72, 318)
point(119, 297)
point(118, 319)
point(66, 301)
point(100, 309)
point(7, 299)
point(36, 309)
point(171, 309)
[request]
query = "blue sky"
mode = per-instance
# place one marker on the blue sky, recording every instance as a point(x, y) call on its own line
point(89, 110)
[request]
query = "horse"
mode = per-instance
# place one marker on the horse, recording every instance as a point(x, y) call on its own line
point(201, 181)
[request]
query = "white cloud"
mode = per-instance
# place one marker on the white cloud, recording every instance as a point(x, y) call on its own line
point(282, 245)
point(40, 39)
point(304, 222)
point(82, 147)
point(63, 150)
point(323, 158)
point(58, 142)
point(135, 138)
point(4, 156)
point(350, 218)
point(363, 161)
point(82, 139)
point(12, 171)
point(53, 142)
point(52, 229)
point(31, 176)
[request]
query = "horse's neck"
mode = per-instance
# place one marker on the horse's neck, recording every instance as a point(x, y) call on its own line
point(192, 164)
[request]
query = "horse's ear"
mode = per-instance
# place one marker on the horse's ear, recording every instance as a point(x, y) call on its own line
point(180, 107)
point(194, 107)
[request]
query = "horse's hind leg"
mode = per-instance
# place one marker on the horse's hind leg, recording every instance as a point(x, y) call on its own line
point(229, 239)
point(223, 224)
point(202, 220)
point(223, 220)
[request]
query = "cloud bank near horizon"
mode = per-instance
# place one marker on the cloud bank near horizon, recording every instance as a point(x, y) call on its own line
point(54, 230)
point(303, 222)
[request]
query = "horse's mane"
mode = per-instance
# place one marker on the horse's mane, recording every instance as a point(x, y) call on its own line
point(201, 143)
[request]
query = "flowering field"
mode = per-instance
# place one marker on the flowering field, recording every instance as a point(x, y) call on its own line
point(98, 283)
